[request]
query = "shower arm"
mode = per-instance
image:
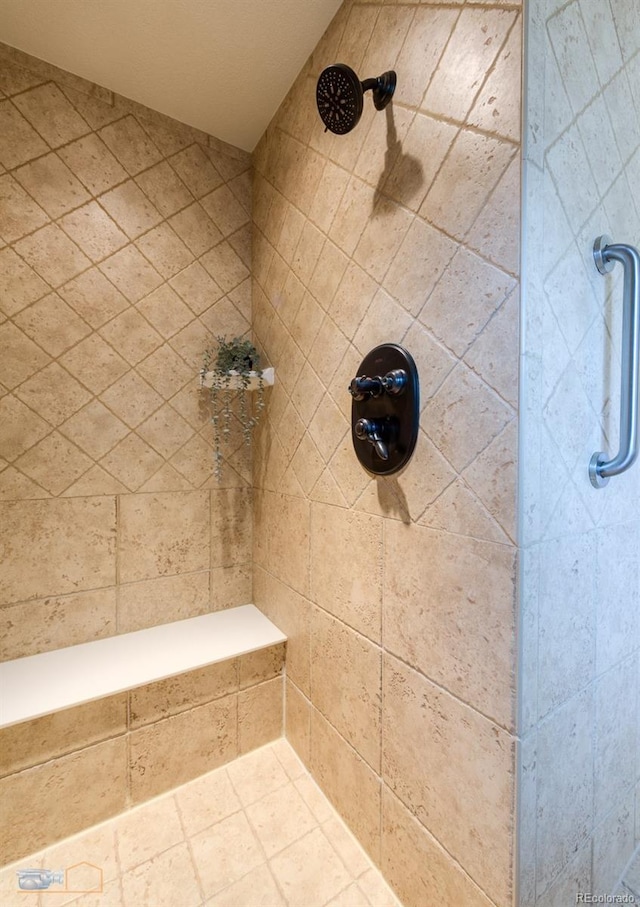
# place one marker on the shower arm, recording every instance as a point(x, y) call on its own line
point(382, 88)
point(606, 255)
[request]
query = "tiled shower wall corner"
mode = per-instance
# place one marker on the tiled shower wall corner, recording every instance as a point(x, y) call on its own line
point(580, 757)
point(125, 243)
point(398, 595)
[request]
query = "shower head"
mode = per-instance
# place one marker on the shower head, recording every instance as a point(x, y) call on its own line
point(340, 94)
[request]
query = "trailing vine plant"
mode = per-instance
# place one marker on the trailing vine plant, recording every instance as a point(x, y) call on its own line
point(232, 364)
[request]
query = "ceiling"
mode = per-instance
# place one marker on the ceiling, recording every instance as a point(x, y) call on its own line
point(223, 66)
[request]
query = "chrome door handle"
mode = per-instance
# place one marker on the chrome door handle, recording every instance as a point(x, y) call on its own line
point(606, 255)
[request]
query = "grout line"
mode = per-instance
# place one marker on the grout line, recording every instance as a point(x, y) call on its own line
point(187, 839)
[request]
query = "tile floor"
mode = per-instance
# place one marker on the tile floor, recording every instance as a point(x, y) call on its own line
point(255, 833)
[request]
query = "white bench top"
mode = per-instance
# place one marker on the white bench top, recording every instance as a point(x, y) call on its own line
point(41, 684)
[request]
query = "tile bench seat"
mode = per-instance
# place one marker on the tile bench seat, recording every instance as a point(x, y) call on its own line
point(90, 730)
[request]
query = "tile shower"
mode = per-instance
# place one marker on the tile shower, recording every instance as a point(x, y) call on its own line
point(128, 239)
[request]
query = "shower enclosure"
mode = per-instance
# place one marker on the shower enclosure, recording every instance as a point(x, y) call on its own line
point(462, 662)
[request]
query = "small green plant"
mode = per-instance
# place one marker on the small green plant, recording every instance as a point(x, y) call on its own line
point(230, 366)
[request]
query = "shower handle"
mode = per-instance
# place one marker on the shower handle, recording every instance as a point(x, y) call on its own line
point(394, 382)
point(606, 255)
point(375, 432)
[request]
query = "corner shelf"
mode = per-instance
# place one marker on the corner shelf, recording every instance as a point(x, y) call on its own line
point(268, 379)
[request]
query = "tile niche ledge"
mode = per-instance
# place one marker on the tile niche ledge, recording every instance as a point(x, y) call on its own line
point(268, 379)
point(42, 684)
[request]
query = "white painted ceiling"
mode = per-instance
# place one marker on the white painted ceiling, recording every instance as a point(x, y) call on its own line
point(223, 66)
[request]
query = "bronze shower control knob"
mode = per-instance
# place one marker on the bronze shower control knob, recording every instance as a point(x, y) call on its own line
point(363, 387)
point(376, 432)
point(394, 382)
point(385, 409)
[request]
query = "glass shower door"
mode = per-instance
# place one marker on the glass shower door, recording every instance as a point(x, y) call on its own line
point(580, 545)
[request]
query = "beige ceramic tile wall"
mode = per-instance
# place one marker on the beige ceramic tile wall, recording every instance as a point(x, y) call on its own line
point(124, 245)
point(580, 759)
point(65, 772)
point(397, 595)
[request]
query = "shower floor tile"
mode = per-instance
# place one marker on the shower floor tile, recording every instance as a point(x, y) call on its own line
point(255, 833)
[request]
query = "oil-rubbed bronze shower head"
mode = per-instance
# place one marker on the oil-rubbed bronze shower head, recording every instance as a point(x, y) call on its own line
point(340, 94)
